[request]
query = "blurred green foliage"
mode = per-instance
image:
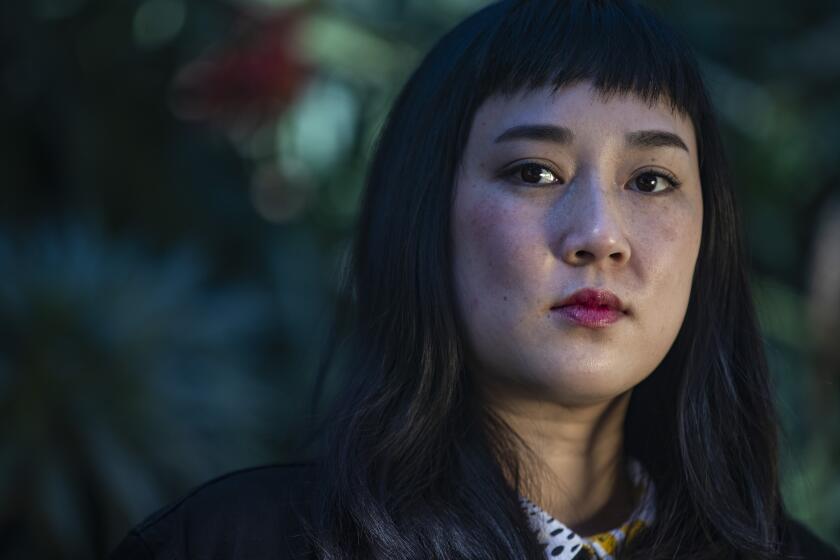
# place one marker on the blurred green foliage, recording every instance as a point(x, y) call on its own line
point(179, 181)
point(117, 374)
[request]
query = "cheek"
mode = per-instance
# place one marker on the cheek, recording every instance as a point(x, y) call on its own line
point(666, 238)
point(682, 233)
point(495, 249)
point(667, 245)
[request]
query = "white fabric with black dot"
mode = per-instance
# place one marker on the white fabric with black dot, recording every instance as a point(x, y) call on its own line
point(561, 543)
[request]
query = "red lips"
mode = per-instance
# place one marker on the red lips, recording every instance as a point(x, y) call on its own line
point(590, 308)
point(589, 297)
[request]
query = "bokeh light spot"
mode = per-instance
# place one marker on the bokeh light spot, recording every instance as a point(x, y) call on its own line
point(156, 22)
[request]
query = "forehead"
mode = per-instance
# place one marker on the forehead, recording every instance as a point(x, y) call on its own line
point(583, 110)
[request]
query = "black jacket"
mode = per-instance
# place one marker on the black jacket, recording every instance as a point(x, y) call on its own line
point(252, 515)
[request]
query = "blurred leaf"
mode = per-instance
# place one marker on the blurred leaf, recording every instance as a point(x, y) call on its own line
point(113, 360)
point(345, 48)
point(782, 312)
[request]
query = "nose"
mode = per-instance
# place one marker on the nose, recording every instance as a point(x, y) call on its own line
point(589, 228)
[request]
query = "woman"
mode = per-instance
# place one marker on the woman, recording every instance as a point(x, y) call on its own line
point(549, 343)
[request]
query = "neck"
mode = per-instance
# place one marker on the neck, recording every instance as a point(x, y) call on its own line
point(574, 462)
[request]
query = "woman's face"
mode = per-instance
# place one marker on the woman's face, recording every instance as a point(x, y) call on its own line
point(562, 192)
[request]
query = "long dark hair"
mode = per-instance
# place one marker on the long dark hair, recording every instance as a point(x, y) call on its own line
point(415, 466)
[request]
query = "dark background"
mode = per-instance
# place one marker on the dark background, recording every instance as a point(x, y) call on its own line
point(179, 181)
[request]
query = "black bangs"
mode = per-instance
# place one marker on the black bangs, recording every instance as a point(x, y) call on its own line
point(618, 45)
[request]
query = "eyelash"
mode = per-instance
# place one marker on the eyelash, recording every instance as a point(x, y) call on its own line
point(671, 179)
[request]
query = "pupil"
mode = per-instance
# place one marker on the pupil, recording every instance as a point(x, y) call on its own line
point(645, 181)
point(532, 173)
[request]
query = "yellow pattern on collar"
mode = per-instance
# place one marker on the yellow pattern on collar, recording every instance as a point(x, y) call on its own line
point(563, 544)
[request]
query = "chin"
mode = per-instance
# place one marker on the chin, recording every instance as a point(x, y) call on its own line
point(584, 385)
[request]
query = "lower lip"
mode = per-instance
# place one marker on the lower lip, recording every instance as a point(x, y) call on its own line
point(589, 316)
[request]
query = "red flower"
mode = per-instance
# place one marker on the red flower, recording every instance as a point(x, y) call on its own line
point(252, 78)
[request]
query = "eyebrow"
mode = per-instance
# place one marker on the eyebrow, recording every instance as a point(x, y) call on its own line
point(655, 139)
point(540, 132)
point(562, 135)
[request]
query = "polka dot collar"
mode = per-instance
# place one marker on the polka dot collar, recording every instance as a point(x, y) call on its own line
point(561, 543)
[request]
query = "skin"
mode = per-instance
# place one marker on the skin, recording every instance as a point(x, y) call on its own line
point(519, 248)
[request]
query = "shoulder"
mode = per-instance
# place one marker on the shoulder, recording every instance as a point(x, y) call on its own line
point(801, 542)
point(250, 513)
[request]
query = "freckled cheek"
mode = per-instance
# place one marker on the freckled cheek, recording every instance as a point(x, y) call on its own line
point(498, 244)
point(666, 246)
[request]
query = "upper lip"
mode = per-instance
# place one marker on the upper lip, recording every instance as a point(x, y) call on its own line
point(592, 297)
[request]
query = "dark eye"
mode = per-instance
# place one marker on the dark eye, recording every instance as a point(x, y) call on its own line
point(533, 174)
point(654, 182)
